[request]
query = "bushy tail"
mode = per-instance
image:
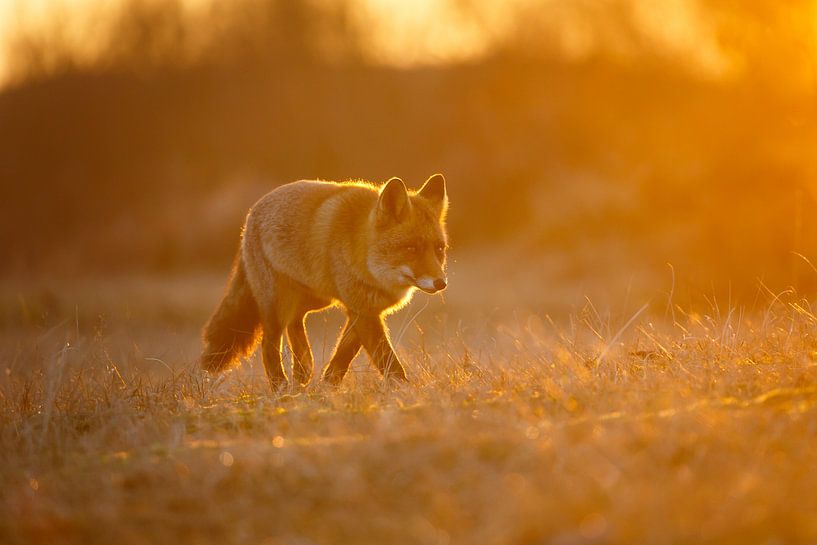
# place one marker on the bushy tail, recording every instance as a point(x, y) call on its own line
point(233, 329)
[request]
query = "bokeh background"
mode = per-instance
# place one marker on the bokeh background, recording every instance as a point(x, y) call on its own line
point(592, 148)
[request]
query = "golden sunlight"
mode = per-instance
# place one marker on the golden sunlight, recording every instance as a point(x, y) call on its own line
point(75, 31)
point(398, 33)
point(431, 31)
point(408, 271)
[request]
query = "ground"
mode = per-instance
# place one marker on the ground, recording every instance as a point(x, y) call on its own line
point(654, 425)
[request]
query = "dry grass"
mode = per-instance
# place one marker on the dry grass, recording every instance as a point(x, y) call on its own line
point(679, 429)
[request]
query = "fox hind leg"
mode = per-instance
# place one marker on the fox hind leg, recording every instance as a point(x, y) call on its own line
point(302, 361)
point(271, 353)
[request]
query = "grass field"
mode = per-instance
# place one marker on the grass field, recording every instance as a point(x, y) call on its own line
point(651, 425)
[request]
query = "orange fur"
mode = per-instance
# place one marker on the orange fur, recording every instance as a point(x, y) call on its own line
point(233, 329)
point(309, 245)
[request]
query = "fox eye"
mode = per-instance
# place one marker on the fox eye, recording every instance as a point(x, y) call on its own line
point(440, 249)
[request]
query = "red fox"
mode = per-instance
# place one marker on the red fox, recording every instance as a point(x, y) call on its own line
point(309, 245)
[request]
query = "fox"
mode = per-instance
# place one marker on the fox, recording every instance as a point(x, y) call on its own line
point(310, 245)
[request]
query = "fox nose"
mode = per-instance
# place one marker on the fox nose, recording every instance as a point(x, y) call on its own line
point(439, 284)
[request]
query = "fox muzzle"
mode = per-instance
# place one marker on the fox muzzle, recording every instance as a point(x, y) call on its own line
point(431, 285)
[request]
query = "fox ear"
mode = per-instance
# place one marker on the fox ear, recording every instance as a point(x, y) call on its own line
point(434, 191)
point(393, 202)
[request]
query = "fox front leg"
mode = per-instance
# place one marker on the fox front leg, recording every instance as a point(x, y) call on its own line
point(347, 348)
point(375, 339)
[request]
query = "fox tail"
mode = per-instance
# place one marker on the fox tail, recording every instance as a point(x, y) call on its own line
point(235, 327)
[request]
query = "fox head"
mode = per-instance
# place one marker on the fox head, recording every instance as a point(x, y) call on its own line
point(409, 243)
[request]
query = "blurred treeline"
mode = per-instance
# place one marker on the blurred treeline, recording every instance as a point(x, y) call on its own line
point(148, 157)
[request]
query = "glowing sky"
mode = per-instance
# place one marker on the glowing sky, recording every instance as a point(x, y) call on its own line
point(71, 22)
point(404, 33)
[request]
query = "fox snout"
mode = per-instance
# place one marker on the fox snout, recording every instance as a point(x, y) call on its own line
point(431, 285)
